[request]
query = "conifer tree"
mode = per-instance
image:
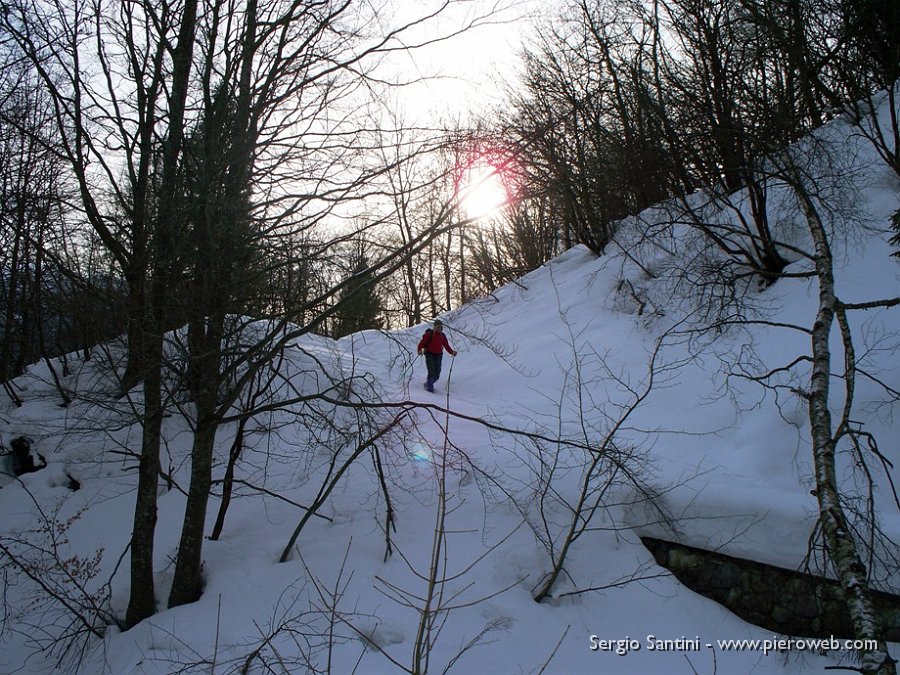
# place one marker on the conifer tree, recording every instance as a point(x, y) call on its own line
point(360, 307)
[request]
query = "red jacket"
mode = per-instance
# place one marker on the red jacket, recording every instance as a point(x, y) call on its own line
point(435, 342)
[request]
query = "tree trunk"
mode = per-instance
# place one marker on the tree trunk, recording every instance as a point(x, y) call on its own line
point(228, 480)
point(205, 340)
point(137, 343)
point(7, 370)
point(851, 570)
point(188, 582)
point(408, 238)
point(142, 603)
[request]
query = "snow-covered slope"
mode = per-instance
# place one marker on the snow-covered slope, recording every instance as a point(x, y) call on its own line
point(563, 353)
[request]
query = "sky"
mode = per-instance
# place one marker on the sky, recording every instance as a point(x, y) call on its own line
point(564, 350)
point(463, 74)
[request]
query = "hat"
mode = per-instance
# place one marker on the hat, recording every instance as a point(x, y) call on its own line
point(438, 322)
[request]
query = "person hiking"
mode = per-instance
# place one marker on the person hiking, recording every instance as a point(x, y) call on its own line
point(433, 344)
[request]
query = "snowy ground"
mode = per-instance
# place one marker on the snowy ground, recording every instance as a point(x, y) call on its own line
point(562, 353)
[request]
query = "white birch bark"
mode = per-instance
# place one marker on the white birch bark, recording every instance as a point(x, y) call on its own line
point(848, 565)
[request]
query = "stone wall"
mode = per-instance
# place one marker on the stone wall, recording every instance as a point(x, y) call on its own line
point(780, 600)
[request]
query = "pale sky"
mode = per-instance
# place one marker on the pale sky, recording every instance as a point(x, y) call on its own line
point(470, 65)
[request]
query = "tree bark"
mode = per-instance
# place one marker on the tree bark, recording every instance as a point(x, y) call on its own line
point(850, 569)
point(187, 585)
point(142, 602)
point(228, 480)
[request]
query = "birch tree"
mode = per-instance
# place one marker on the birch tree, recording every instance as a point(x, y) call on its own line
point(842, 549)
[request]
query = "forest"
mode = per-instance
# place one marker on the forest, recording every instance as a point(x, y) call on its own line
point(190, 189)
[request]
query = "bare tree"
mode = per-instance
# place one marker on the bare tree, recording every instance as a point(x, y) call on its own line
point(33, 221)
point(520, 240)
point(606, 466)
point(63, 585)
point(127, 98)
point(842, 549)
point(255, 81)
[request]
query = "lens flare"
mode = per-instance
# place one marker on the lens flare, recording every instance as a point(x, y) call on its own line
point(482, 193)
point(420, 452)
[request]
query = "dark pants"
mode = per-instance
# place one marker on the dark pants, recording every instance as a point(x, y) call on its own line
point(433, 363)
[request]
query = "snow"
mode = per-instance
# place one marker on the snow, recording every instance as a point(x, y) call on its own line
point(562, 352)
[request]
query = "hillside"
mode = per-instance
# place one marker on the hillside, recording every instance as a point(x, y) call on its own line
point(548, 367)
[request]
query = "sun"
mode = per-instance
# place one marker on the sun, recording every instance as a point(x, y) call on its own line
point(482, 194)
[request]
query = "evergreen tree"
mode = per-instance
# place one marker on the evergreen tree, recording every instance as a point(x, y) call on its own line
point(359, 306)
